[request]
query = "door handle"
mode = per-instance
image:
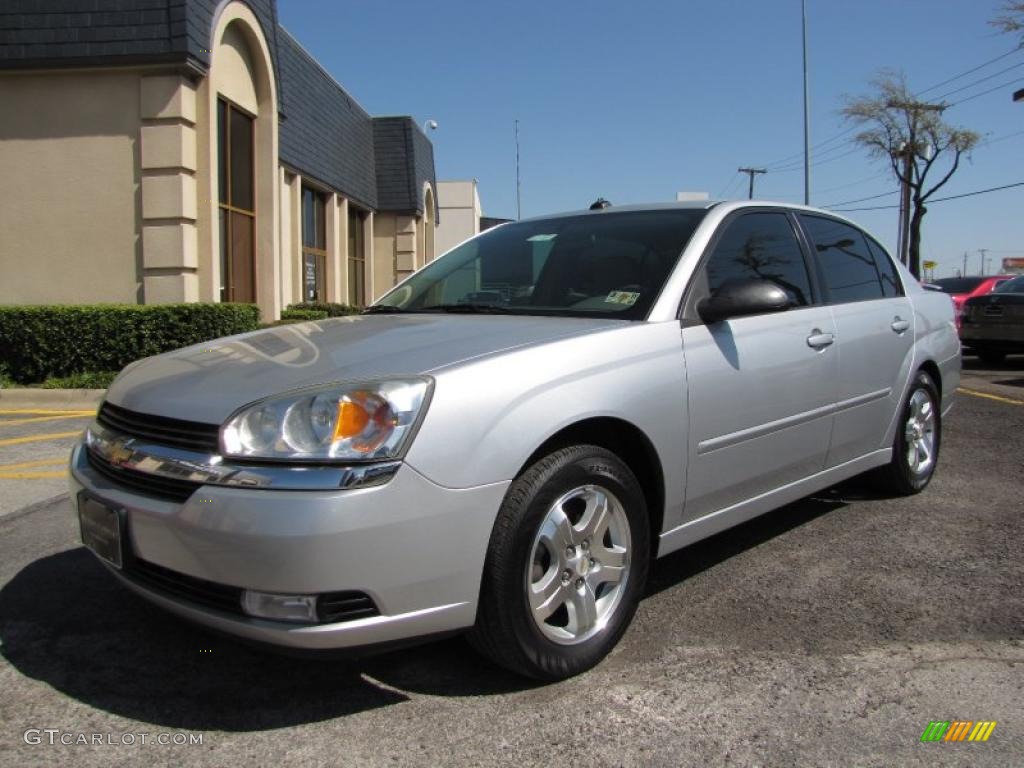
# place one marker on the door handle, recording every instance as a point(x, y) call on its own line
point(899, 325)
point(819, 340)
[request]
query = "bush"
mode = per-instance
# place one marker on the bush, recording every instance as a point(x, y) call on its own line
point(99, 380)
point(303, 314)
point(332, 310)
point(41, 342)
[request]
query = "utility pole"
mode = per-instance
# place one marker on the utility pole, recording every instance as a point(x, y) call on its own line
point(982, 251)
point(519, 200)
point(807, 116)
point(964, 273)
point(751, 172)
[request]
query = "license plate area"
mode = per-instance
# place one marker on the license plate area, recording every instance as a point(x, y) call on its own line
point(102, 528)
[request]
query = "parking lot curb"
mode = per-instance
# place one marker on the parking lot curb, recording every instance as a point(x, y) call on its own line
point(77, 399)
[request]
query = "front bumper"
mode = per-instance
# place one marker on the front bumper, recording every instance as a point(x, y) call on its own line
point(416, 548)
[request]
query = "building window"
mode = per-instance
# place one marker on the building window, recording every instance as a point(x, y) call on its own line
point(314, 246)
point(236, 203)
point(356, 259)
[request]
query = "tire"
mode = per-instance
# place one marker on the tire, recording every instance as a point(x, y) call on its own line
point(921, 425)
point(585, 575)
point(990, 357)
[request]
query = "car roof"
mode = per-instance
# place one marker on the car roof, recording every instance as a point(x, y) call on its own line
point(726, 205)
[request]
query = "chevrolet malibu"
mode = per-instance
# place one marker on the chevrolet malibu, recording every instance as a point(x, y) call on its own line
point(505, 441)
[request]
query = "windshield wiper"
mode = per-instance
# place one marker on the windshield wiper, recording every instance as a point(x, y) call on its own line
point(469, 309)
point(382, 309)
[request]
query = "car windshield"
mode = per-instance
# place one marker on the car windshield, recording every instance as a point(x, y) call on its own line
point(606, 264)
point(959, 284)
point(1011, 286)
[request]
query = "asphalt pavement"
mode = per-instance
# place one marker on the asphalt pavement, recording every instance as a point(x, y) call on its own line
point(829, 632)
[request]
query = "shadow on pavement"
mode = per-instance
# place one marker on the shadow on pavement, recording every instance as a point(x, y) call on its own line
point(68, 623)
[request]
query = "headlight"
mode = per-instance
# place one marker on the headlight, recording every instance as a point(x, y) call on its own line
point(365, 420)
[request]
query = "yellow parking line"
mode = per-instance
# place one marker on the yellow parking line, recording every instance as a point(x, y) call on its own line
point(986, 395)
point(45, 411)
point(31, 475)
point(37, 419)
point(56, 462)
point(40, 438)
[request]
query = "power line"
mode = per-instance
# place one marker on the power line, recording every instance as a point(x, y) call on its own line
point(969, 71)
point(855, 183)
point(985, 93)
point(789, 159)
point(979, 81)
point(938, 199)
point(861, 199)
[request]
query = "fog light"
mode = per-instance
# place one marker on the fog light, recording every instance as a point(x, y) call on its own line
point(301, 608)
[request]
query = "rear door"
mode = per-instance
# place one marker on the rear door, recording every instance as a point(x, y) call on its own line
point(760, 388)
point(874, 333)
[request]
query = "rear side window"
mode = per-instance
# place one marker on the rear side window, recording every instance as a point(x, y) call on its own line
point(847, 263)
point(761, 246)
point(886, 269)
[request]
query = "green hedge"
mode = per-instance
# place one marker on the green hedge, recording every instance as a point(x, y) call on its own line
point(303, 314)
point(41, 342)
point(332, 310)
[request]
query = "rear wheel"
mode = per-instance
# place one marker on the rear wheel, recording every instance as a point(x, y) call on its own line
point(915, 448)
point(566, 565)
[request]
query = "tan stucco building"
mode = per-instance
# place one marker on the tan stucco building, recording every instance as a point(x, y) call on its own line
point(196, 153)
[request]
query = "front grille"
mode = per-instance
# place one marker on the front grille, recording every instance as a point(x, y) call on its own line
point(335, 607)
point(142, 482)
point(332, 607)
point(191, 435)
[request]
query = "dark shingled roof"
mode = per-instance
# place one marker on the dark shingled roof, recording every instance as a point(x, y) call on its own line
point(324, 134)
point(405, 160)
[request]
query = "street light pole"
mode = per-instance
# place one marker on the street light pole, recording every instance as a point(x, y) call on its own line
point(519, 201)
point(807, 114)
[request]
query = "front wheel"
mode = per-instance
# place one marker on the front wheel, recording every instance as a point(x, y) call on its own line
point(915, 448)
point(566, 565)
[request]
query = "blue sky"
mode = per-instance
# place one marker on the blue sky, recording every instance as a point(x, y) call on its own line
point(634, 101)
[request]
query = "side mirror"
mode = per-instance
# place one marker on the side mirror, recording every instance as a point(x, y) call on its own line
point(738, 298)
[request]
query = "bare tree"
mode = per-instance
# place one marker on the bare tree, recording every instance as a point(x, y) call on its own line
point(1012, 19)
point(911, 136)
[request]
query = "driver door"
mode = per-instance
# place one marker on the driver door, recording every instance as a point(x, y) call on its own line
point(761, 387)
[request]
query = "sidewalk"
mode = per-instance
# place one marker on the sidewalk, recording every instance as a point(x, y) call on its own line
point(26, 397)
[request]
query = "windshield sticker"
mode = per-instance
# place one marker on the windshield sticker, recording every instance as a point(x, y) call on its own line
point(622, 297)
point(541, 238)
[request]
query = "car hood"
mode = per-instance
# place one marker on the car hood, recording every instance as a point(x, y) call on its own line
point(208, 382)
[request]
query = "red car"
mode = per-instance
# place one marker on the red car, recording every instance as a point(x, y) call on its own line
point(960, 289)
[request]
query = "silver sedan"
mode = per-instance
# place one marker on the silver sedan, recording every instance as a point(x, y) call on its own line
point(504, 442)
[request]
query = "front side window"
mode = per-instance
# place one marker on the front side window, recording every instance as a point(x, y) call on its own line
point(849, 267)
point(314, 246)
point(760, 246)
point(611, 264)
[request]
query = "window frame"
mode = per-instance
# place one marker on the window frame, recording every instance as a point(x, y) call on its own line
point(226, 209)
point(696, 289)
point(877, 248)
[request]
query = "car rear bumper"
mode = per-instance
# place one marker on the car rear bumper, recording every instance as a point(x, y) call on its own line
point(992, 335)
point(413, 547)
